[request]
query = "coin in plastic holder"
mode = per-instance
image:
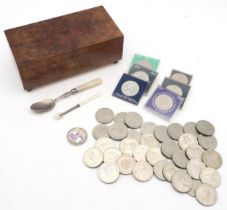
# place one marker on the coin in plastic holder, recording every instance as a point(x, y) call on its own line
point(130, 88)
point(164, 102)
point(77, 136)
point(143, 73)
point(181, 76)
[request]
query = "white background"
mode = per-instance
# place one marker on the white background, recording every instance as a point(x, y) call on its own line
point(39, 169)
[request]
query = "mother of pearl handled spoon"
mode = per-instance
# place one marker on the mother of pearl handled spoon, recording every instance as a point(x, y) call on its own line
point(48, 104)
point(61, 114)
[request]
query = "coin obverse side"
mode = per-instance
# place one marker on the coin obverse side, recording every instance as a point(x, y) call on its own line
point(77, 136)
point(180, 159)
point(204, 127)
point(120, 116)
point(111, 155)
point(160, 132)
point(118, 131)
point(176, 89)
point(133, 120)
point(207, 142)
point(194, 151)
point(108, 172)
point(140, 152)
point(194, 167)
point(125, 164)
point(104, 115)
point(190, 127)
point(210, 176)
point(175, 130)
point(100, 131)
point(130, 88)
point(206, 194)
point(180, 77)
point(93, 157)
point(128, 145)
point(141, 75)
point(212, 159)
point(182, 182)
point(168, 147)
point(104, 143)
point(169, 170)
point(153, 155)
point(148, 127)
point(142, 171)
point(195, 184)
point(158, 169)
point(186, 140)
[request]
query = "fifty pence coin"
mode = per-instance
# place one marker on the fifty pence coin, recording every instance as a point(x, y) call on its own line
point(125, 164)
point(104, 115)
point(77, 136)
point(100, 131)
point(130, 88)
point(194, 167)
point(93, 157)
point(148, 127)
point(133, 120)
point(195, 184)
point(134, 134)
point(169, 170)
point(140, 152)
point(182, 182)
point(175, 130)
point(158, 169)
point(128, 145)
point(142, 171)
point(160, 132)
point(207, 142)
point(111, 155)
point(153, 155)
point(118, 131)
point(179, 158)
point(212, 159)
point(108, 172)
point(194, 151)
point(186, 140)
point(104, 143)
point(204, 127)
point(168, 147)
point(210, 176)
point(190, 127)
point(206, 194)
point(149, 140)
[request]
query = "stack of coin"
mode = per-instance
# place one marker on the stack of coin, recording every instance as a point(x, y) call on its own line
point(185, 155)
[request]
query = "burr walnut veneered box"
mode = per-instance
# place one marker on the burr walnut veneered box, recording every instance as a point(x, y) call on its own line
point(64, 46)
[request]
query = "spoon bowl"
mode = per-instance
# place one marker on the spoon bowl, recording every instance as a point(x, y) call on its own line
point(43, 106)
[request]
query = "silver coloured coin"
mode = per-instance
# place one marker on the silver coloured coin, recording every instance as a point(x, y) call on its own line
point(194, 151)
point(179, 158)
point(141, 75)
point(93, 157)
point(206, 194)
point(148, 128)
point(142, 171)
point(210, 176)
point(134, 134)
point(190, 127)
point(176, 89)
point(104, 143)
point(169, 170)
point(118, 131)
point(168, 147)
point(207, 142)
point(158, 169)
point(133, 120)
point(175, 130)
point(182, 182)
point(186, 140)
point(160, 132)
point(108, 172)
point(111, 155)
point(125, 164)
point(204, 127)
point(77, 136)
point(194, 167)
point(212, 159)
point(104, 115)
point(120, 116)
point(145, 64)
point(164, 102)
point(140, 152)
point(128, 145)
point(180, 78)
point(130, 88)
point(149, 140)
point(154, 155)
point(195, 184)
point(100, 131)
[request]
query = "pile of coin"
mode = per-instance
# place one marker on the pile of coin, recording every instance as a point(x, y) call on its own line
point(185, 155)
